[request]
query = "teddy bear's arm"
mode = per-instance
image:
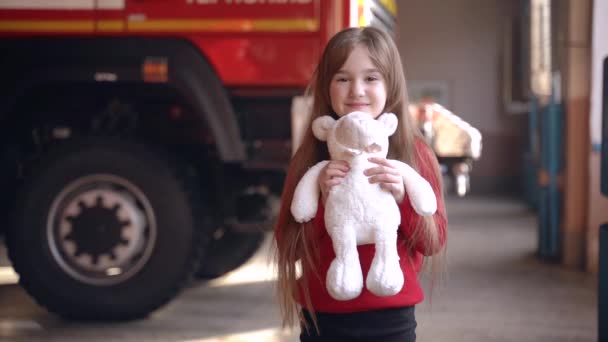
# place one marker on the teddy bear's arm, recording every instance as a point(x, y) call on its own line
point(306, 196)
point(418, 189)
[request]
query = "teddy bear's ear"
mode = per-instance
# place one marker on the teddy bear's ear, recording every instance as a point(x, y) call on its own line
point(389, 121)
point(321, 126)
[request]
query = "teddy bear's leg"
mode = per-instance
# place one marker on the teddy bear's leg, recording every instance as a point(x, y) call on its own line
point(385, 277)
point(344, 277)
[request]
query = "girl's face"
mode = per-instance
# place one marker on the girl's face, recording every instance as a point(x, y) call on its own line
point(358, 86)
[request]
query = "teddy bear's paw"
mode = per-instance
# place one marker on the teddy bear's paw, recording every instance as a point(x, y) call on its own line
point(423, 200)
point(303, 211)
point(425, 208)
point(344, 279)
point(384, 278)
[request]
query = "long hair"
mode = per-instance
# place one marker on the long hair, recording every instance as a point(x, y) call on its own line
point(295, 243)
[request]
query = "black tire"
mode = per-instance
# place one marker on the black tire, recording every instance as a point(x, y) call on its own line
point(227, 251)
point(161, 255)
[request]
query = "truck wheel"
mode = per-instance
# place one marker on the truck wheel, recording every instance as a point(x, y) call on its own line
point(104, 231)
point(227, 251)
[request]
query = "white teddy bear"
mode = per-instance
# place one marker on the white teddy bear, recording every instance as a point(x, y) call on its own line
point(357, 212)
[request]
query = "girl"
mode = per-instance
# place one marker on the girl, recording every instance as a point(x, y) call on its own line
point(360, 70)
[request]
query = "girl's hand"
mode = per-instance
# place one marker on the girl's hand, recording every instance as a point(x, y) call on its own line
point(331, 175)
point(387, 176)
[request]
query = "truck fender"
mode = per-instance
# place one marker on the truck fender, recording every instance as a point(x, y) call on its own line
point(194, 77)
point(83, 60)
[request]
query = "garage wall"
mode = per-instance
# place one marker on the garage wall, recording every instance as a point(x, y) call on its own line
point(458, 43)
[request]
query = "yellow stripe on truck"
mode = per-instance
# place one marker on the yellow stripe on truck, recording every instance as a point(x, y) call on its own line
point(202, 25)
point(226, 25)
point(47, 25)
point(110, 25)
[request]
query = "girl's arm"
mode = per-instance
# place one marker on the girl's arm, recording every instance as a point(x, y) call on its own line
point(428, 167)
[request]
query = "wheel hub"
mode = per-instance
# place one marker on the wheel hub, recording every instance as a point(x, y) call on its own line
point(100, 231)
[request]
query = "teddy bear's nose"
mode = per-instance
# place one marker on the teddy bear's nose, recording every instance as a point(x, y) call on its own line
point(373, 148)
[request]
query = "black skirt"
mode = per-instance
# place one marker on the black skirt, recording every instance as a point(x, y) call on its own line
point(388, 325)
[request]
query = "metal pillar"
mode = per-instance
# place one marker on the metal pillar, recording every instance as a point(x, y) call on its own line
point(549, 179)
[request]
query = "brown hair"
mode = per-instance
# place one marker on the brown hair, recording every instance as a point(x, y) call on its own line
point(294, 240)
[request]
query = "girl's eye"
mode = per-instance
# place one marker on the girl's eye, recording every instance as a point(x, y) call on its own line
point(371, 79)
point(341, 79)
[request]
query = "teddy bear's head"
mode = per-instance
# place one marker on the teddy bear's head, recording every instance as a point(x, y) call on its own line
point(355, 133)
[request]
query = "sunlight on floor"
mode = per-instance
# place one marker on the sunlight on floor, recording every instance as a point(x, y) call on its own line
point(12, 328)
point(249, 273)
point(266, 335)
point(8, 276)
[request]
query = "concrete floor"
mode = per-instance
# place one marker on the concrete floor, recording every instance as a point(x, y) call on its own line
point(495, 290)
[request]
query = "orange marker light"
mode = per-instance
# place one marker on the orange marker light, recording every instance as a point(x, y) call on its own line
point(155, 70)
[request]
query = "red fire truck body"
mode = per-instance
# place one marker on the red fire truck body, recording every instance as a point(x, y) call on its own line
point(249, 43)
point(145, 140)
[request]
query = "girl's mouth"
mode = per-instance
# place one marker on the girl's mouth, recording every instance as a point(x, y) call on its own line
point(357, 105)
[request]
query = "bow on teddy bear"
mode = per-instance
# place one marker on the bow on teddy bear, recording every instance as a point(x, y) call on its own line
point(357, 212)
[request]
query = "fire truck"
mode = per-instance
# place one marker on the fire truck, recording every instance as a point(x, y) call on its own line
point(145, 141)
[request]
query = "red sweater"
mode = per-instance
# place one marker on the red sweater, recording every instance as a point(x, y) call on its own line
point(411, 293)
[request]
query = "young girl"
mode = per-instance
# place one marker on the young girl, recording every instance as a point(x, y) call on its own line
point(360, 70)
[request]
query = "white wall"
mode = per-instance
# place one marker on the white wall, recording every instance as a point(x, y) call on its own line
point(459, 42)
point(599, 50)
point(456, 41)
point(598, 204)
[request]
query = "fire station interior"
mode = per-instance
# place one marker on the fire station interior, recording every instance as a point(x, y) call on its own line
point(524, 247)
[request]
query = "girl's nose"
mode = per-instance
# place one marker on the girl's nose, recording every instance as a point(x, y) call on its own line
point(357, 89)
